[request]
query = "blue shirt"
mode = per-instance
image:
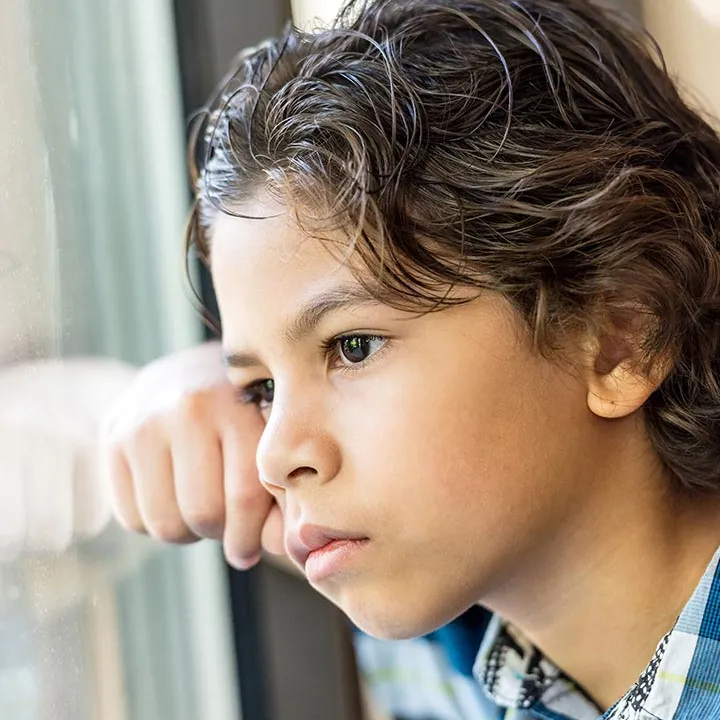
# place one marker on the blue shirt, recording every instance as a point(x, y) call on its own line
point(481, 668)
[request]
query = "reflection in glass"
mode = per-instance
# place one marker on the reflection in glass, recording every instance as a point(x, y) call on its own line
point(94, 623)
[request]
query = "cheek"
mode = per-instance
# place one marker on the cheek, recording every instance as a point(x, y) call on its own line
point(459, 487)
point(472, 458)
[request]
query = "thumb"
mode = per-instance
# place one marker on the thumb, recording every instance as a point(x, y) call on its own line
point(273, 532)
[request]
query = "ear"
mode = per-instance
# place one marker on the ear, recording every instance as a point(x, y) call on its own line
point(617, 385)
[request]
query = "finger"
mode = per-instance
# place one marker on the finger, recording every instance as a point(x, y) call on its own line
point(198, 470)
point(247, 503)
point(273, 532)
point(152, 472)
point(122, 489)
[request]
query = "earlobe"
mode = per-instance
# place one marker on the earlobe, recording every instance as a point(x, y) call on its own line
point(621, 391)
point(617, 384)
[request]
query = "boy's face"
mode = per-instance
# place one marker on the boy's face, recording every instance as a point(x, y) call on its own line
point(442, 439)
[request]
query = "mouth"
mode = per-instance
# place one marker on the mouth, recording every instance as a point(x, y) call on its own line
point(321, 551)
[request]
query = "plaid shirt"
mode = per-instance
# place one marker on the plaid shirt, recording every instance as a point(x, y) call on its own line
point(432, 678)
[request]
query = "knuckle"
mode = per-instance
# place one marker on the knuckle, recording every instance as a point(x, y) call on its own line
point(113, 459)
point(169, 529)
point(204, 521)
point(241, 558)
point(193, 407)
point(243, 501)
point(130, 522)
point(147, 435)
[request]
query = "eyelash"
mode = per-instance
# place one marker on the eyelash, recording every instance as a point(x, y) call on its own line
point(251, 394)
point(329, 347)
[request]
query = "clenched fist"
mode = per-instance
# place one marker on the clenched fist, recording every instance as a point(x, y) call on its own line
point(52, 489)
point(181, 455)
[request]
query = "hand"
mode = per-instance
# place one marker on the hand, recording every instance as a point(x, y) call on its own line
point(181, 456)
point(51, 484)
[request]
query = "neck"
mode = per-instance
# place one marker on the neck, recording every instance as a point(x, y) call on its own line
point(607, 587)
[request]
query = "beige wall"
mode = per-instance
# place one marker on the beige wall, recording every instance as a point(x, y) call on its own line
point(308, 14)
point(691, 44)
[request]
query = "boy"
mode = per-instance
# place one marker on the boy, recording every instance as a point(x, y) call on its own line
point(466, 258)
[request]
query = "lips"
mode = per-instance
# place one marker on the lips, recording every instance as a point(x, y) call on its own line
point(309, 538)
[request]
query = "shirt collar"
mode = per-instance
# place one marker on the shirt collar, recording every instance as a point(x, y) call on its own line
point(684, 673)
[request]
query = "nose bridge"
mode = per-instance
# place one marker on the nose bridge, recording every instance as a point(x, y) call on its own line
point(296, 441)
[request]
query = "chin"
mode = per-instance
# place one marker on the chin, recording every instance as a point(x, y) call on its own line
point(384, 628)
point(393, 618)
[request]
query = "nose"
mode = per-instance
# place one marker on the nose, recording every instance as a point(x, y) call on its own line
point(297, 445)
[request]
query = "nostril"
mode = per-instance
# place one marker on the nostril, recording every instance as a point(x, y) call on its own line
point(301, 471)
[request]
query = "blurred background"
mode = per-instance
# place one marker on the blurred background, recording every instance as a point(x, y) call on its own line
point(96, 98)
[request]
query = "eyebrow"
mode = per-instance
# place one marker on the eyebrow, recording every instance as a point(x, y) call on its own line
point(309, 316)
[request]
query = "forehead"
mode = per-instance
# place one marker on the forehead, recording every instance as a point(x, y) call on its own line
point(263, 269)
point(266, 240)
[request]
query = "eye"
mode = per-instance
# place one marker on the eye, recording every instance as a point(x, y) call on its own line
point(356, 349)
point(259, 393)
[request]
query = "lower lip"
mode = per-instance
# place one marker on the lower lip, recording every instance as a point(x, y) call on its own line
point(331, 558)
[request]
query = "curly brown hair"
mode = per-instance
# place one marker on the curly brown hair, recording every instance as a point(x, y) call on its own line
point(536, 148)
